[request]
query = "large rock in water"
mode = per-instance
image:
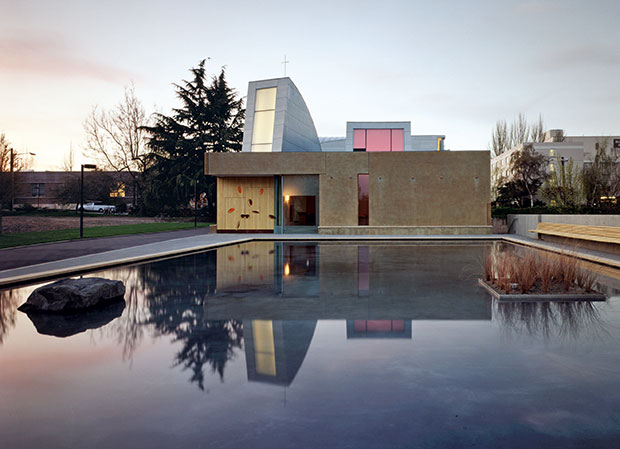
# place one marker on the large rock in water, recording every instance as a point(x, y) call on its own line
point(71, 295)
point(68, 324)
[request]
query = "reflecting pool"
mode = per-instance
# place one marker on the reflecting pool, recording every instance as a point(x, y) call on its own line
point(313, 345)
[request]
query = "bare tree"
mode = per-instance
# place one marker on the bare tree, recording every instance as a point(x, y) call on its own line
point(528, 170)
point(69, 162)
point(504, 138)
point(519, 131)
point(499, 138)
point(19, 163)
point(116, 137)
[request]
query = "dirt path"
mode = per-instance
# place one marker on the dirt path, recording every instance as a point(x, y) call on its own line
point(28, 224)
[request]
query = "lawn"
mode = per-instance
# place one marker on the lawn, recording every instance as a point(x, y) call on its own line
point(31, 238)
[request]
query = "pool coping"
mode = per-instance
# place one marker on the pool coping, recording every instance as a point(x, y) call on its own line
point(540, 297)
point(188, 245)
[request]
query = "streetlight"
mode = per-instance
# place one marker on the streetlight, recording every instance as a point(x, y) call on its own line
point(90, 167)
point(196, 204)
point(13, 154)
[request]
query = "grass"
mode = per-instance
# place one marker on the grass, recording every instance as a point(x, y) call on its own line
point(32, 238)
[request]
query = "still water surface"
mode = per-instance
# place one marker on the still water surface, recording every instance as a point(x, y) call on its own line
point(313, 345)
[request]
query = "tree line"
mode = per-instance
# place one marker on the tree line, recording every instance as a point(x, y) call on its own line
point(164, 154)
point(534, 179)
point(161, 154)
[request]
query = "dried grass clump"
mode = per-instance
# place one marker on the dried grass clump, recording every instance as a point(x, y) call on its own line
point(504, 268)
point(567, 269)
point(532, 272)
point(585, 278)
point(526, 271)
point(547, 270)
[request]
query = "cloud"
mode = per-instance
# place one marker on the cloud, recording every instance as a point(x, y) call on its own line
point(50, 57)
point(583, 56)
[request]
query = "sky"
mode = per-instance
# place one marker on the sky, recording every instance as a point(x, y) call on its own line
point(449, 67)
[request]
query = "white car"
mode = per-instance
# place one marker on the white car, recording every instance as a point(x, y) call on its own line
point(103, 208)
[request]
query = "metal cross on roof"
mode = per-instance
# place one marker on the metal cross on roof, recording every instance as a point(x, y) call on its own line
point(285, 62)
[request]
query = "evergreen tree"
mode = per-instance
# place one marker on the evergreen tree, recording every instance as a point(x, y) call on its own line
point(210, 119)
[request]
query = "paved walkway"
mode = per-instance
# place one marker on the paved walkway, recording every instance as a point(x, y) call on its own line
point(38, 262)
point(48, 252)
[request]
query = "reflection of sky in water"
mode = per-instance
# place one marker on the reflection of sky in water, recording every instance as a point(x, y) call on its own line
point(350, 346)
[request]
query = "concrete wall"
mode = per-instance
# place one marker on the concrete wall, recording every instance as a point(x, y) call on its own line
point(441, 189)
point(338, 187)
point(520, 224)
point(264, 164)
point(429, 188)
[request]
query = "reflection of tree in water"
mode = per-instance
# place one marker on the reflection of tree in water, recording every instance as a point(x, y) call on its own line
point(549, 319)
point(8, 309)
point(129, 328)
point(177, 291)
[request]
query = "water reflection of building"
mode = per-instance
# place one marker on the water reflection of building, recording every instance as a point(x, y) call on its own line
point(378, 329)
point(275, 350)
point(347, 281)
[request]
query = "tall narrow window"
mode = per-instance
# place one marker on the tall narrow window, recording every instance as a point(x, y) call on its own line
point(362, 199)
point(264, 117)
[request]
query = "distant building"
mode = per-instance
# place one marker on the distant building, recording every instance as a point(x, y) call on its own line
point(558, 149)
point(40, 188)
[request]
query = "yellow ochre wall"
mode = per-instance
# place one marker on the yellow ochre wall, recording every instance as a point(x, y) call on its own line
point(245, 204)
point(407, 189)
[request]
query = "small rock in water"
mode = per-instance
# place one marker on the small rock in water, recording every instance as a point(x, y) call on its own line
point(71, 295)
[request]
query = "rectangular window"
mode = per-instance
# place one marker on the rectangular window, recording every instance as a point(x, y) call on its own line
point(362, 199)
point(38, 189)
point(359, 139)
point(264, 117)
point(398, 140)
point(265, 99)
point(379, 139)
point(299, 210)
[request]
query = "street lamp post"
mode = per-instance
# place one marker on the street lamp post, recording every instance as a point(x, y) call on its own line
point(91, 167)
point(196, 204)
point(12, 164)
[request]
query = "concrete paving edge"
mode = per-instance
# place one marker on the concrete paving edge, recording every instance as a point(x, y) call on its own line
point(178, 247)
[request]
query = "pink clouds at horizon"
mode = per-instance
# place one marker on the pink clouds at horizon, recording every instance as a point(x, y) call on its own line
point(51, 57)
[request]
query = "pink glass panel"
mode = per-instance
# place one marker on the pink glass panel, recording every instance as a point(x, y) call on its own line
point(379, 325)
point(398, 140)
point(359, 326)
point(398, 326)
point(359, 139)
point(378, 140)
